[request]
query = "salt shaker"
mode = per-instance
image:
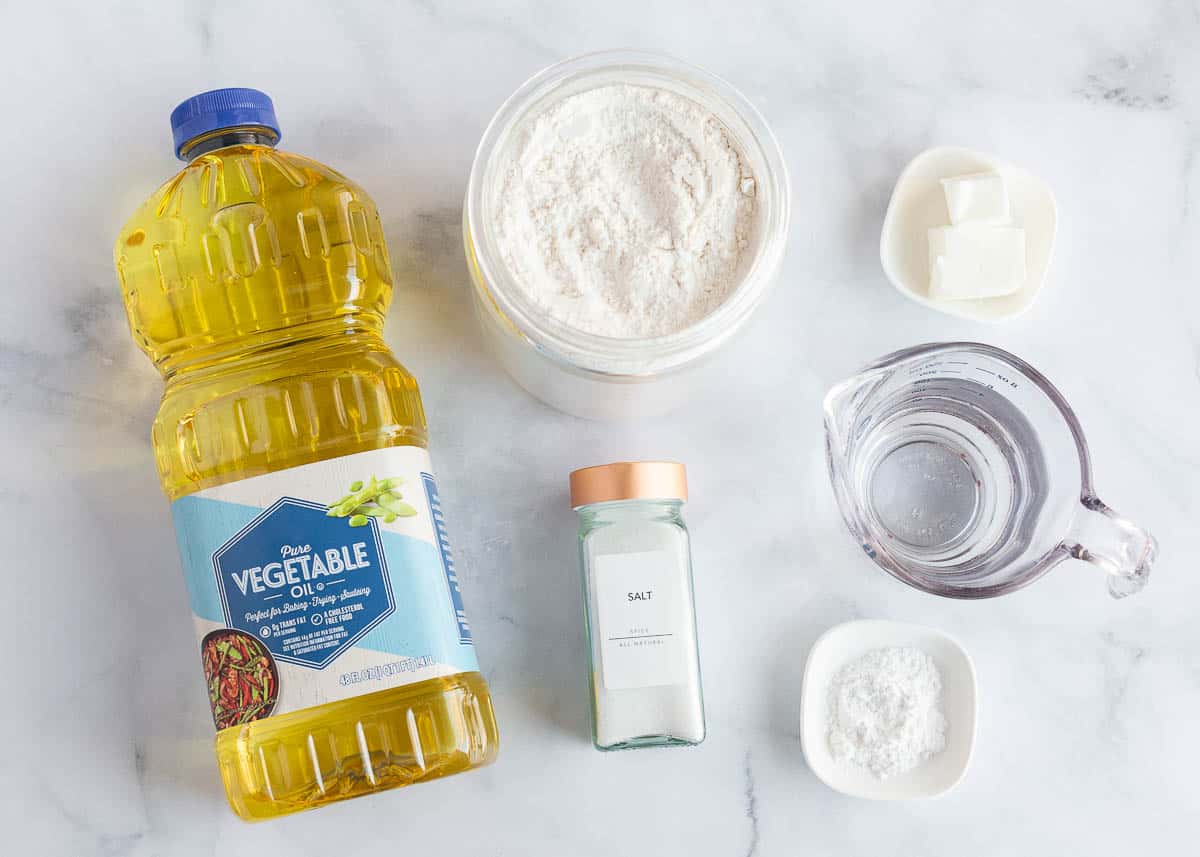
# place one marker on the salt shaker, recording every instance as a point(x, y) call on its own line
point(639, 609)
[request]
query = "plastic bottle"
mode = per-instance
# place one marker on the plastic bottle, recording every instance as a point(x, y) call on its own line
point(291, 443)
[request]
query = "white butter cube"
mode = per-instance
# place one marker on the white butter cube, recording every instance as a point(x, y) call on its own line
point(976, 198)
point(975, 261)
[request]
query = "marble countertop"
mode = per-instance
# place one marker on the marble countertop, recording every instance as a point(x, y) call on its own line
point(1087, 737)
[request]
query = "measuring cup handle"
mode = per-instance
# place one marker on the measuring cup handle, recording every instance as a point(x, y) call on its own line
point(1123, 550)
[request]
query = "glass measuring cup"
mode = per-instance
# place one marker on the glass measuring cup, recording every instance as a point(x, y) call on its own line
point(962, 471)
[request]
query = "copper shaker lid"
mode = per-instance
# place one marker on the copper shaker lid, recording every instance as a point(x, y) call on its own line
point(629, 480)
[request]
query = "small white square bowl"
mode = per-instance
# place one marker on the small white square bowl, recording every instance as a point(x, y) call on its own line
point(844, 643)
point(918, 203)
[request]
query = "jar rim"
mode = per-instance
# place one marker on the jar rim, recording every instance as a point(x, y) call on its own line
point(499, 291)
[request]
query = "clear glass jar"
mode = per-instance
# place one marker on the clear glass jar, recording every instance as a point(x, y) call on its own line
point(603, 377)
point(644, 662)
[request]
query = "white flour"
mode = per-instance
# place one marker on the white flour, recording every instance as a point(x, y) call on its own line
point(626, 211)
point(885, 711)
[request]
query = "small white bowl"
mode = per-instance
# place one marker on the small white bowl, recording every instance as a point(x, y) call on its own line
point(918, 204)
point(844, 643)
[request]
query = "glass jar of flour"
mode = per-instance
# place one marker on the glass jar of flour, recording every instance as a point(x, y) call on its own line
point(607, 267)
point(639, 610)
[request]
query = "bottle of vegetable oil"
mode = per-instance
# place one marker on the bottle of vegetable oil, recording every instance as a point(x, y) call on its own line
point(291, 443)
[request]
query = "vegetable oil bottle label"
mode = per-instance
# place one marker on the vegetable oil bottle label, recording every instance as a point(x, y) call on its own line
point(322, 582)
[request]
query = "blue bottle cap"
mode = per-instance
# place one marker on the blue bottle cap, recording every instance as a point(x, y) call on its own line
point(218, 109)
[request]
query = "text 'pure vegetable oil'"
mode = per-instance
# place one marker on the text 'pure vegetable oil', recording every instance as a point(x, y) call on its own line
point(334, 644)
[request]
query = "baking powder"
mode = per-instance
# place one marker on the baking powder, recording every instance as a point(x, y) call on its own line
point(885, 711)
point(626, 211)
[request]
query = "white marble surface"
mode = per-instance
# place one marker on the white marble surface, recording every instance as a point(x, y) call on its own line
point(1088, 739)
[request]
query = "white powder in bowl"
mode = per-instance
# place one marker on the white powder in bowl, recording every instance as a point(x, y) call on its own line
point(626, 211)
point(885, 711)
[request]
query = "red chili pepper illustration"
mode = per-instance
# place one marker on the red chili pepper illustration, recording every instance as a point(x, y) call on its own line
point(242, 678)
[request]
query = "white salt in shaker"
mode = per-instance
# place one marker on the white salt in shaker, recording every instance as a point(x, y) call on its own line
point(641, 619)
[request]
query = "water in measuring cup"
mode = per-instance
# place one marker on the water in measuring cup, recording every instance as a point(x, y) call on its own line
point(953, 477)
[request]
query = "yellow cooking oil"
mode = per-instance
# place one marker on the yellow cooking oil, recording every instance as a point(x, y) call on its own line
point(257, 281)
